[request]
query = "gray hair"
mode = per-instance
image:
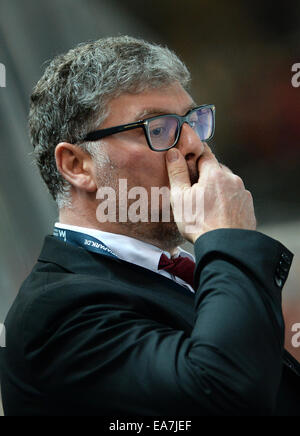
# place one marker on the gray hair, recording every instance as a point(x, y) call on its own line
point(71, 99)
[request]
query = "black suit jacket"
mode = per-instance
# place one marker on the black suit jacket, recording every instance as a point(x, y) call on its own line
point(92, 335)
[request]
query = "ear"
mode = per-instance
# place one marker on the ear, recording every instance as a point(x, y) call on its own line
point(76, 166)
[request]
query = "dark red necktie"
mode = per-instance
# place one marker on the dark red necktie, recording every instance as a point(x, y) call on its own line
point(181, 267)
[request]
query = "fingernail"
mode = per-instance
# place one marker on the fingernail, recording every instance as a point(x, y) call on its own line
point(173, 155)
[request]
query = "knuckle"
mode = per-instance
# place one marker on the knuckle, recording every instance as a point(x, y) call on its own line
point(249, 195)
point(177, 172)
point(225, 168)
point(239, 182)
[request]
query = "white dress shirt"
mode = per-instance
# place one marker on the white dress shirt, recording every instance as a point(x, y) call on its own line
point(133, 250)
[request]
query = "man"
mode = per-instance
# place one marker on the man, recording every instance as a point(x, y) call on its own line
point(115, 319)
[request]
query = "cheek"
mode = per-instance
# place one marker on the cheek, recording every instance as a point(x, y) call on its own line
point(150, 169)
point(142, 168)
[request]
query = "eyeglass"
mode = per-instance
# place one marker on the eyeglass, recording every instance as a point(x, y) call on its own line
point(163, 131)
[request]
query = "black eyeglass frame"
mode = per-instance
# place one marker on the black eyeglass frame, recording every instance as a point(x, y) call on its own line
point(99, 134)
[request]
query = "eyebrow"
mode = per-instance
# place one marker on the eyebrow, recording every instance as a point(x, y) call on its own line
point(154, 111)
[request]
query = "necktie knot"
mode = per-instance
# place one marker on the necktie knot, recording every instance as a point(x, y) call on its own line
point(181, 267)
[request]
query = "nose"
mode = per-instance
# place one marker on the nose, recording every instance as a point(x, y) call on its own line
point(189, 144)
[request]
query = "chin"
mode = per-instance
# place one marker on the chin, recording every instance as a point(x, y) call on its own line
point(168, 235)
point(163, 235)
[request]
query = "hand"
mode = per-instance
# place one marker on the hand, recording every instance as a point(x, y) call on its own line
point(225, 203)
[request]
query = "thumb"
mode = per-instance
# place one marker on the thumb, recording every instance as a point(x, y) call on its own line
point(177, 170)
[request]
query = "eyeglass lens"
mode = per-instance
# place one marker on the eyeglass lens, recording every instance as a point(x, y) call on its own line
point(163, 132)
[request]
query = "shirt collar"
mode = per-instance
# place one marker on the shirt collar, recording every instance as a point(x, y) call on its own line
point(127, 248)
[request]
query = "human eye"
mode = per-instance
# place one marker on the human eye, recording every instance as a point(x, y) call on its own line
point(193, 122)
point(157, 129)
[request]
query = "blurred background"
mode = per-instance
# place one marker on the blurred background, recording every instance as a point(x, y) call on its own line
point(240, 54)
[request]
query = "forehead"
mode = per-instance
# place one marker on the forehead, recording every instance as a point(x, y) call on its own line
point(133, 107)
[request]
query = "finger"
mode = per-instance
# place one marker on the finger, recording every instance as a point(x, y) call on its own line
point(226, 169)
point(207, 161)
point(177, 170)
point(208, 149)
